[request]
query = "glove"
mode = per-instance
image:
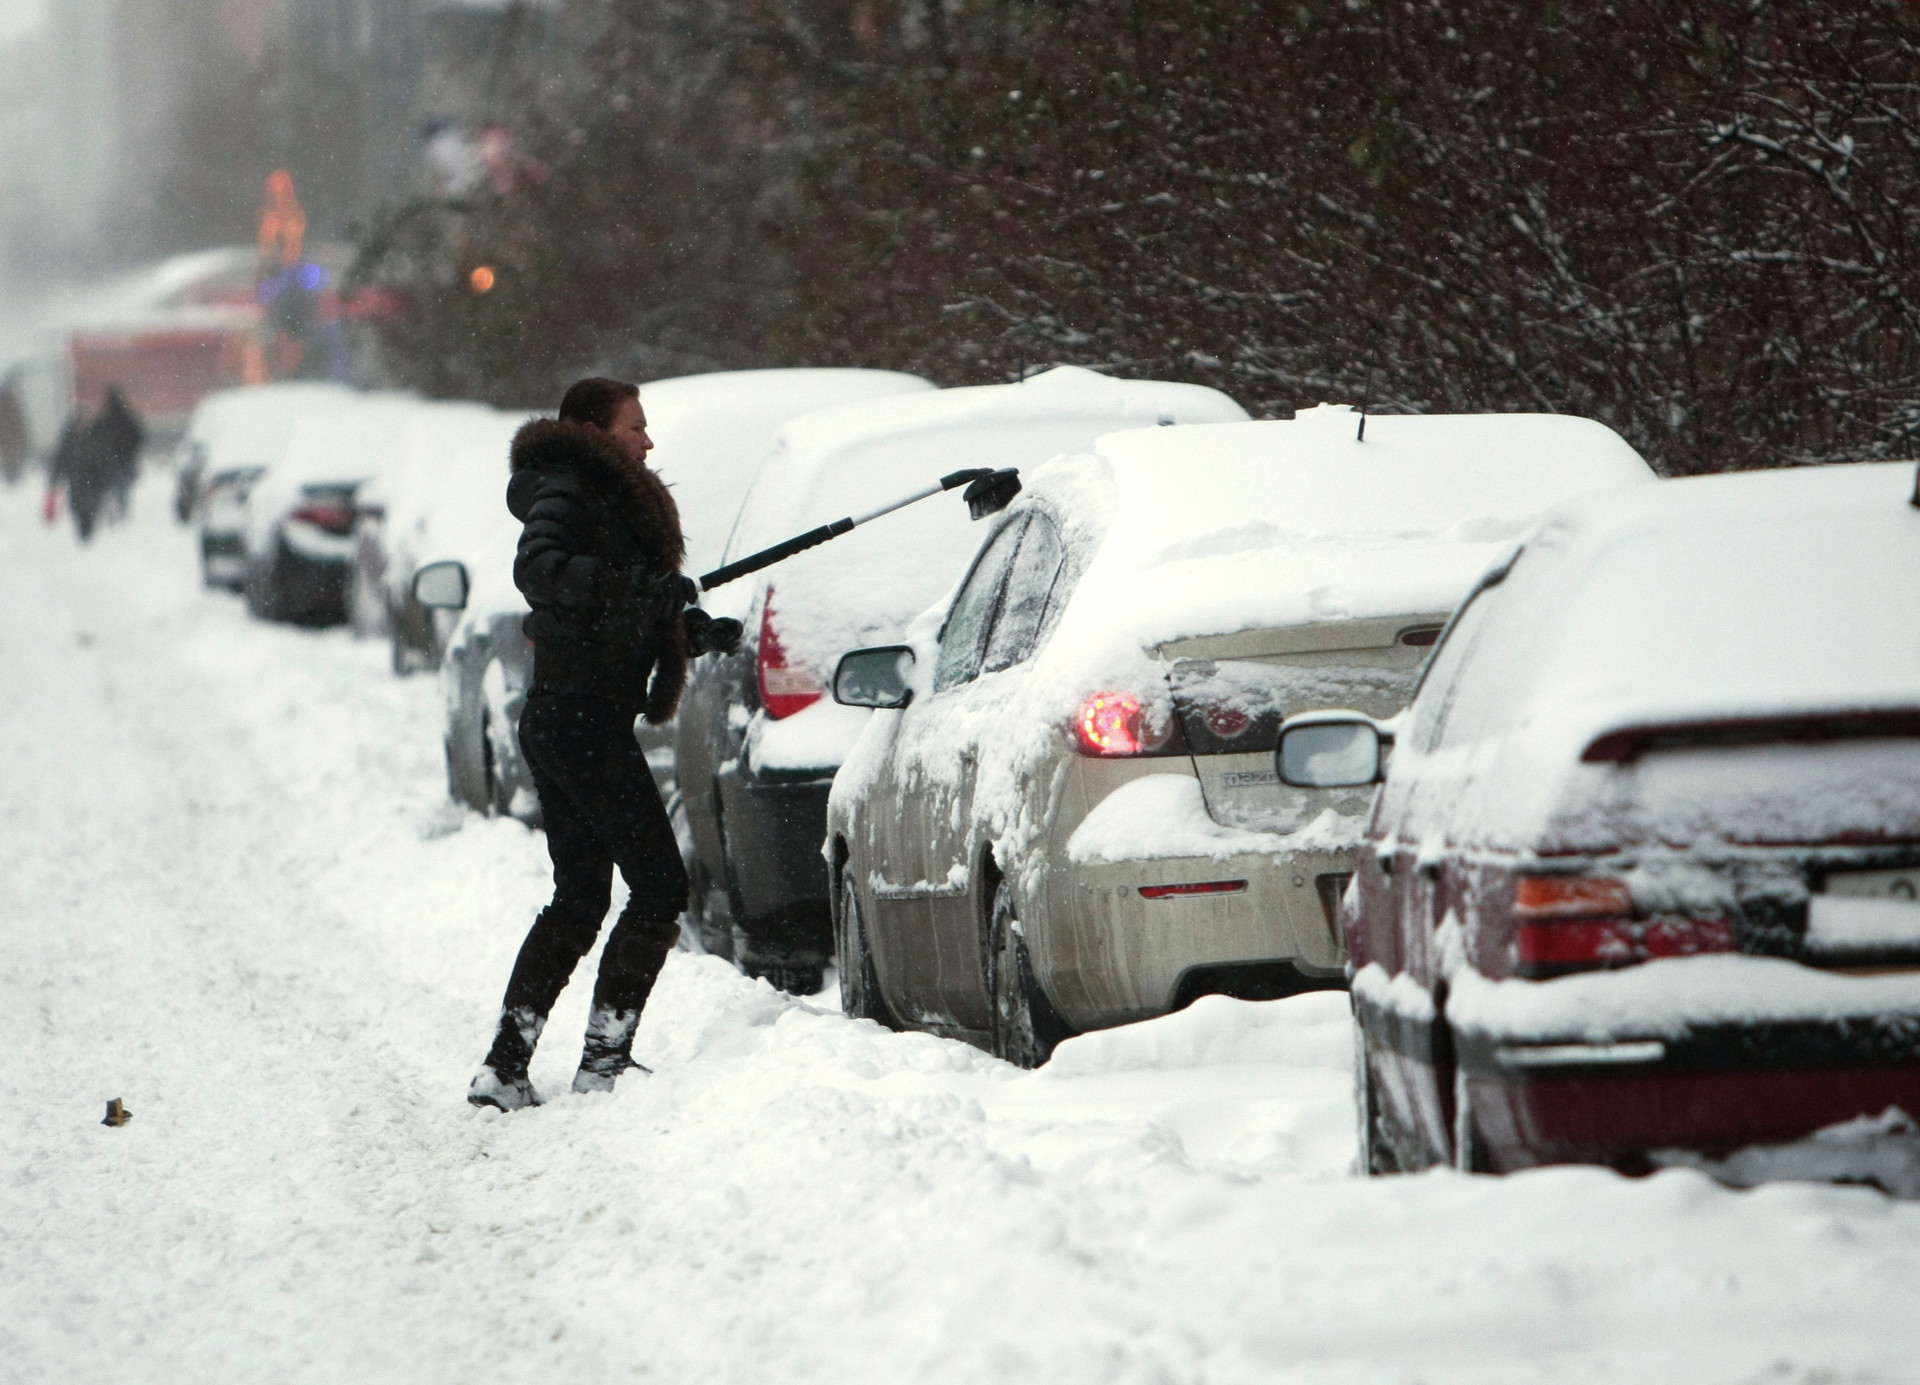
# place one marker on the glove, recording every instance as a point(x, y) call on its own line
point(656, 596)
point(706, 635)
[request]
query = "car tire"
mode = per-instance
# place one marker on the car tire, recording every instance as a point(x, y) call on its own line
point(1469, 1150)
point(1374, 1155)
point(860, 996)
point(1025, 1026)
point(489, 772)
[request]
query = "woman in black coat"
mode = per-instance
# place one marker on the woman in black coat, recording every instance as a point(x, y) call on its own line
point(599, 563)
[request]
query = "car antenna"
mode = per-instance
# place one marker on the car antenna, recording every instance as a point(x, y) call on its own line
point(1365, 395)
point(988, 492)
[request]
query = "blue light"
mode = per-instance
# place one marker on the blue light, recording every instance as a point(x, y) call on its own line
point(312, 277)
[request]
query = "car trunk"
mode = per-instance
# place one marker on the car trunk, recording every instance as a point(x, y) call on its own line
point(1810, 843)
point(1231, 692)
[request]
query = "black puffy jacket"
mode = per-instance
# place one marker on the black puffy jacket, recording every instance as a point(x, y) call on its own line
point(595, 525)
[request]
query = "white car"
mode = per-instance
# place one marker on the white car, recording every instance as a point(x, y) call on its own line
point(300, 511)
point(1070, 817)
point(442, 501)
point(231, 439)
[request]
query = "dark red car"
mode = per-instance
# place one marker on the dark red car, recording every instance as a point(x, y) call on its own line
point(1642, 883)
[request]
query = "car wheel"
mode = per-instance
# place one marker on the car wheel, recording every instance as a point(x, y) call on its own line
point(488, 772)
point(1469, 1150)
point(860, 994)
point(1026, 1028)
point(1373, 1154)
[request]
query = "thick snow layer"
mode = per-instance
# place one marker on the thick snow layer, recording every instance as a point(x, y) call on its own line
point(1663, 998)
point(864, 587)
point(1165, 815)
point(1261, 524)
point(231, 895)
point(250, 427)
point(711, 433)
point(1761, 594)
point(816, 738)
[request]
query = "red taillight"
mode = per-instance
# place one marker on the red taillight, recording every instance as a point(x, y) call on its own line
point(335, 519)
point(1575, 923)
point(1117, 723)
point(1571, 897)
point(1202, 887)
point(784, 688)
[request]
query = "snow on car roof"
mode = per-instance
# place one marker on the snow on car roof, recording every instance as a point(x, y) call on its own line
point(841, 461)
point(1658, 616)
point(1741, 596)
point(249, 426)
point(1244, 526)
point(711, 434)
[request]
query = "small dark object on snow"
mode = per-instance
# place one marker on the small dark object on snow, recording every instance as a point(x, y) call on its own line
point(117, 1114)
point(1915, 501)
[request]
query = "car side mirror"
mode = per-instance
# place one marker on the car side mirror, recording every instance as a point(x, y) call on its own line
point(1329, 750)
point(442, 586)
point(876, 677)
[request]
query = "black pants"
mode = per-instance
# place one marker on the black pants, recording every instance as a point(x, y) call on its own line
point(601, 809)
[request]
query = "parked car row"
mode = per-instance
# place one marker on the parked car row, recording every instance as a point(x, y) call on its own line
point(1593, 789)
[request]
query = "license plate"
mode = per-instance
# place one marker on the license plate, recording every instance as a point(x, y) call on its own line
point(1903, 885)
point(1865, 913)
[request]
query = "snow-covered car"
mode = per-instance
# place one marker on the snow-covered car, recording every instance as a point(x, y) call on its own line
point(1640, 885)
point(1070, 820)
point(758, 741)
point(710, 433)
point(442, 501)
point(300, 511)
point(231, 439)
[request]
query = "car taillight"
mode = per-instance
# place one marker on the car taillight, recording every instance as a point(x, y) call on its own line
point(334, 518)
point(1201, 887)
point(1579, 922)
point(1115, 724)
point(785, 688)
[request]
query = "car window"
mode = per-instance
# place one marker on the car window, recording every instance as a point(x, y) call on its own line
point(963, 640)
point(1483, 670)
point(1030, 584)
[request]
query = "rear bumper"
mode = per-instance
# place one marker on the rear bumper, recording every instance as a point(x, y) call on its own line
point(774, 828)
point(1626, 1100)
point(1127, 957)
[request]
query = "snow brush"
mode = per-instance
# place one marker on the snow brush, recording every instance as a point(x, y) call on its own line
point(988, 493)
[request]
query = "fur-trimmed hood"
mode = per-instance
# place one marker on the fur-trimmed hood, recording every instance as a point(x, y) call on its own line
point(556, 444)
point(574, 490)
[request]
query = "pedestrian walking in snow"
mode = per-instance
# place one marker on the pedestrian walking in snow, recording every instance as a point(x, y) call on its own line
point(15, 440)
point(599, 563)
point(77, 466)
point(117, 435)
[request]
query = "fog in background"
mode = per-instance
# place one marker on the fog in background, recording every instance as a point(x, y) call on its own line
point(134, 129)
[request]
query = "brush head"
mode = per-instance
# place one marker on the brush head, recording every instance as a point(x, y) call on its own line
point(992, 493)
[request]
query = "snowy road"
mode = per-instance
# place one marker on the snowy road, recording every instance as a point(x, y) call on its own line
point(231, 894)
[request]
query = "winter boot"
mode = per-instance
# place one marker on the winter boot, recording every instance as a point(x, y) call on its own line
point(502, 1080)
point(501, 1091)
point(608, 1051)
